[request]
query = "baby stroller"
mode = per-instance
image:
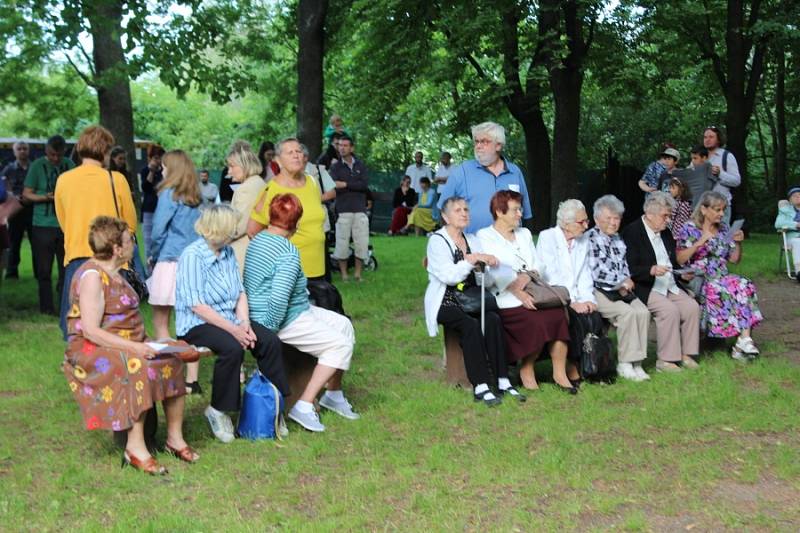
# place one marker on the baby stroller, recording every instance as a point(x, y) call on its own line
point(371, 263)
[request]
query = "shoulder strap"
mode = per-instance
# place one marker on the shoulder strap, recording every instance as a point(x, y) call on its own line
point(319, 178)
point(113, 192)
point(452, 252)
point(725, 154)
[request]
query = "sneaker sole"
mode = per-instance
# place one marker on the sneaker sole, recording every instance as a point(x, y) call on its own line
point(225, 439)
point(304, 426)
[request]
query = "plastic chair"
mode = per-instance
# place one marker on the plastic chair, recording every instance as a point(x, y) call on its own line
point(786, 252)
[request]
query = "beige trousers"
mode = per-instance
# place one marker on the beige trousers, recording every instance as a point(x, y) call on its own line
point(632, 321)
point(677, 319)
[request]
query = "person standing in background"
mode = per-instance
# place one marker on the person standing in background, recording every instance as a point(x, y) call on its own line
point(14, 173)
point(443, 169)
point(208, 190)
point(417, 171)
point(119, 162)
point(150, 176)
point(724, 168)
point(47, 239)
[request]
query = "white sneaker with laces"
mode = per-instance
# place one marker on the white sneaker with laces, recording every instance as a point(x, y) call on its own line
point(626, 371)
point(341, 408)
point(221, 424)
point(746, 345)
point(643, 376)
point(739, 355)
point(309, 420)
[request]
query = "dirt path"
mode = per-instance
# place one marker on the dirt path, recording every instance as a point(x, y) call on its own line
point(780, 304)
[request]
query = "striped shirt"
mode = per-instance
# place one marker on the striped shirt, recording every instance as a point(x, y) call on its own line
point(206, 278)
point(274, 281)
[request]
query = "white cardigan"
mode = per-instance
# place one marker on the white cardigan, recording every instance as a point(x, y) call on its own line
point(443, 272)
point(567, 268)
point(513, 257)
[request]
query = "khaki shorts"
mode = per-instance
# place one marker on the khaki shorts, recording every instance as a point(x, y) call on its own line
point(357, 225)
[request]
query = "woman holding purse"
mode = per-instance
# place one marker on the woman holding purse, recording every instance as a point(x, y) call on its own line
point(528, 330)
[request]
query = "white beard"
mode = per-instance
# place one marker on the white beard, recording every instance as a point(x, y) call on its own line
point(485, 160)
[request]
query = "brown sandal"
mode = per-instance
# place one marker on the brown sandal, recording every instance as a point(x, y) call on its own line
point(148, 466)
point(187, 454)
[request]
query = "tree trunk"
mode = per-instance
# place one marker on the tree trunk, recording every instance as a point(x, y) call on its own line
point(566, 84)
point(310, 78)
point(111, 78)
point(780, 125)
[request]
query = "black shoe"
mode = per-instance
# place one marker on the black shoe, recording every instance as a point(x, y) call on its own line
point(194, 387)
point(576, 382)
point(569, 390)
point(514, 393)
point(489, 402)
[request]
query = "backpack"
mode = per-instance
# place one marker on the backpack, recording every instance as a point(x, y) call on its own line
point(262, 406)
point(324, 294)
point(590, 348)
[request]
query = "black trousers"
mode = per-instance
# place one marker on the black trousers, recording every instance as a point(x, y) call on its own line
point(48, 245)
point(22, 222)
point(226, 392)
point(484, 354)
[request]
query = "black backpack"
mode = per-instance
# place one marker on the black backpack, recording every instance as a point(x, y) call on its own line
point(590, 348)
point(324, 294)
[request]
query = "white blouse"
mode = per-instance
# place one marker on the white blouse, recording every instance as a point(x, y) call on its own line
point(514, 256)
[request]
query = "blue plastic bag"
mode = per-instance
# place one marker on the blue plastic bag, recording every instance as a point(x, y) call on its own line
point(262, 406)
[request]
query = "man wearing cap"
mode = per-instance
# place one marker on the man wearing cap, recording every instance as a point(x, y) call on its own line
point(658, 173)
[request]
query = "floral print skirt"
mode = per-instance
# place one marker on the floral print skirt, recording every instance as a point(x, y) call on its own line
point(113, 388)
point(730, 305)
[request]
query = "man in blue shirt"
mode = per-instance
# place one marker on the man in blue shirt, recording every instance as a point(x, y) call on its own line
point(478, 179)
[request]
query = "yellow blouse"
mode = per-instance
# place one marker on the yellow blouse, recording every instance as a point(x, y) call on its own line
point(310, 237)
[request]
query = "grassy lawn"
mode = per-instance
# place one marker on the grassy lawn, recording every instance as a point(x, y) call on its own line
point(714, 449)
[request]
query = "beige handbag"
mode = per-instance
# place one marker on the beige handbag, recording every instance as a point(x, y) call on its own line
point(546, 296)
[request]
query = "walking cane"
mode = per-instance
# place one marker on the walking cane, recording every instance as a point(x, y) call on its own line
point(484, 267)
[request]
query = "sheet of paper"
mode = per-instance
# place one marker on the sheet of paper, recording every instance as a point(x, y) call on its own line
point(162, 348)
point(737, 225)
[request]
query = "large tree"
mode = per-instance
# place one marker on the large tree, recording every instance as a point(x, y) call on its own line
point(310, 79)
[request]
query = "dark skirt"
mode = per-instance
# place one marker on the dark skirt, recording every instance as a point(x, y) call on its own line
point(399, 219)
point(528, 332)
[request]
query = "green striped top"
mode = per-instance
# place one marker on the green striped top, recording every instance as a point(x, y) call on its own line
point(274, 281)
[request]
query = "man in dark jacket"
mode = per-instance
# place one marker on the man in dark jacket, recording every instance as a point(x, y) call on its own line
point(350, 176)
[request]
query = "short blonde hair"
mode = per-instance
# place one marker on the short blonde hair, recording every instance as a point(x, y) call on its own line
point(217, 224)
point(243, 156)
point(95, 143)
point(707, 199)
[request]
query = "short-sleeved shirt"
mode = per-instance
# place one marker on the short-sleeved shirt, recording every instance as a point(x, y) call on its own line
point(477, 184)
point(310, 237)
point(15, 174)
point(206, 278)
point(41, 178)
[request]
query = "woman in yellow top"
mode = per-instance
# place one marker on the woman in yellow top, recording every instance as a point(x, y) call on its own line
point(310, 237)
point(244, 168)
point(84, 193)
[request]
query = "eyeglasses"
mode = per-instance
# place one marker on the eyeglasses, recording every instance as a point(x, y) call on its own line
point(584, 222)
point(483, 142)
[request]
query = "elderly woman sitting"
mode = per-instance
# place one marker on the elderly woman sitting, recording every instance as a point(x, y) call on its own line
point(211, 310)
point(276, 286)
point(650, 251)
point(564, 252)
point(527, 329)
point(729, 301)
point(115, 376)
point(452, 259)
point(613, 288)
point(788, 220)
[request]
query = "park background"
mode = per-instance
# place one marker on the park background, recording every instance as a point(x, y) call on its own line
point(584, 88)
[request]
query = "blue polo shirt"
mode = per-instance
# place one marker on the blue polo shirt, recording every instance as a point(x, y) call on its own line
point(473, 181)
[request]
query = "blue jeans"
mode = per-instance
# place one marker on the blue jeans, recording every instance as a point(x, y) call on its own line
point(69, 272)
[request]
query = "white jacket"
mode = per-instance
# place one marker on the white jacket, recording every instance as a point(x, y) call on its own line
point(567, 268)
point(443, 272)
point(513, 257)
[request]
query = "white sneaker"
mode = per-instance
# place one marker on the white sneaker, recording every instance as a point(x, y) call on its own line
point(739, 355)
point(746, 345)
point(221, 424)
point(341, 408)
point(626, 371)
point(643, 376)
point(309, 420)
point(283, 431)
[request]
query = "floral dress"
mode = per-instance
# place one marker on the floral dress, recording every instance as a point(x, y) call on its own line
point(730, 303)
point(114, 387)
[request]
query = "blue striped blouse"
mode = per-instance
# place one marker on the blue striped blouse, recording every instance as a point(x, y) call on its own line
point(205, 278)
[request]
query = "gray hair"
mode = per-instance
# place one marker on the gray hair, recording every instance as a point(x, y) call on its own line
point(243, 156)
point(610, 203)
point(707, 199)
point(304, 148)
point(567, 212)
point(279, 145)
point(496, 132)
point(449, 203)
point(20, 143)
point(657, 201)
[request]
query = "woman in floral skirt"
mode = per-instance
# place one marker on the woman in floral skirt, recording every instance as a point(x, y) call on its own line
point(729, 307)
point(114, 375)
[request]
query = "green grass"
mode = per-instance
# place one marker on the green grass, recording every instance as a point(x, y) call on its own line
point(716, 448)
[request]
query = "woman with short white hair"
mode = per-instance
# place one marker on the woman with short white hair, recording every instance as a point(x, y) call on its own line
point(245, 169)
point(613, 288)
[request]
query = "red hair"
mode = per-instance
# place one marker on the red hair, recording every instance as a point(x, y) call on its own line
point(500, 201)
point(285, 211)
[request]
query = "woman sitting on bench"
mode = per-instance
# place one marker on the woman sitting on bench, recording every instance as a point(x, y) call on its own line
point(276, 289)
point(452, 258)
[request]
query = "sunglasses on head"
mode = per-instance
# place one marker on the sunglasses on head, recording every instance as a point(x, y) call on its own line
point(713, 128)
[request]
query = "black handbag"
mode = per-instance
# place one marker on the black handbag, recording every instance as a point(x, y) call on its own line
point(128, 274)
point(469, 296)
point(589, 347)
point(324, 294)
point(616, 296)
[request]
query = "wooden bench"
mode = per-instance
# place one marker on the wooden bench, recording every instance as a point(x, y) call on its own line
point(298, 366)
point(453, 361)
